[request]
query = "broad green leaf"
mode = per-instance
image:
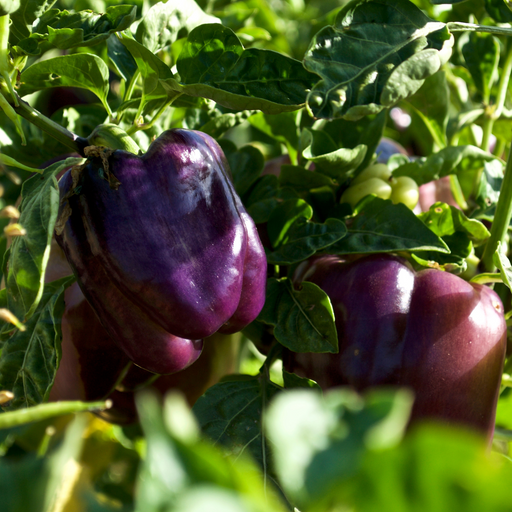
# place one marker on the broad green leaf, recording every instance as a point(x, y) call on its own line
point(303, 180)
point(29, 254)
point(498, 10)
point(303, 319)
point(294, 237)
point(431, 103)
point(214, 64)
point(381, 226)
point(458, 232)
point(265, 196)
point(376, 54)
point(281, 127)
point(504, 266)
point(337, 163)
point(350, 134)
point(291, 380)
point(450, 160)
point(82, 70)
point(177, 469)
point(284, 216)
point(121, 58)
point(163, 22)
point(437, 468)
point(23, 17)
point(245, 163)
point(66, 30)
point(230, 414)
point(305, 238)
point(319, 441)
point(482, 55)
point(29, 359)
point(443, 220)
point(489, 187)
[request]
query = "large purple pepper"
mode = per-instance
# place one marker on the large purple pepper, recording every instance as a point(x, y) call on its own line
point(168, 256)
point(430, 330)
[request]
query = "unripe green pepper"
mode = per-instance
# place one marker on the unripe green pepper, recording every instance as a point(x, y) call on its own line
point(377, 179)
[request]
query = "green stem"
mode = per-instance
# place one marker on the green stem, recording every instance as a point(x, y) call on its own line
point(4, 56)
point(55, 130)
point(492, 114)
point(458, 26)
point(45, 411)
point(501, 219)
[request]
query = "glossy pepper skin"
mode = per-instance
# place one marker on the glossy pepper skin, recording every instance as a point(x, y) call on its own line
point(169, 256)
point(431, 331)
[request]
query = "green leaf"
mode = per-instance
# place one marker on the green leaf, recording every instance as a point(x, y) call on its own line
point(29, 359)
point(431, 103)
point(29, 254)
point(302, 180)
point(66, 30)
point(281, 127)
point(350, 134)
point(218, 126)
point(163, 22)
point(381, 226)
point(23, 17)
point(456, 230)
point(504, 266)
point(319, 441)
point(265, 196)
point(82, 70)
point(291, 380)
point(230, 414)
point(121, 58)
point(482, 55)
point(337, 163)
point(376, 54)
point(498, 10)
point(450, 160)
point(214, 64)
point(303, 319)
point(245, 163)
point(294, 237)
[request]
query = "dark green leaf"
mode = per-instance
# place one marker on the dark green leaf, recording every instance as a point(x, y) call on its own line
point(381, 226)
point(281, 127)
point(230, 413)
point(214, 64)
point(336, 163)
point(163, 22)
point(66, 30)
point(349, 134)
point(498, 10)
point(29, 359)
point(489, 188)
point(246, 165)
point(82, 70)
point(301, 179)
point(482, 55)
point(291, 380)
point(284, 216)
point(450, 160)
point(29, 254)
point(376, 54)
point(431, 103)
point(265, 196)
point(218, 126)
point(23, 18)
point(121, 58)
point(303, 319)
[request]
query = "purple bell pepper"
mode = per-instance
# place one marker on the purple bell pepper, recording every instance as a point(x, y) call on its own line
point(162, 247)
point(431, 331)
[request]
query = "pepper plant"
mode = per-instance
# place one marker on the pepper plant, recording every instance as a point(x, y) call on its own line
point(279, 106)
